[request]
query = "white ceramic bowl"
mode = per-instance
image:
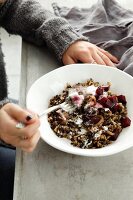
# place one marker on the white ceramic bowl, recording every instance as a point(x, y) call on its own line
point(54, 82)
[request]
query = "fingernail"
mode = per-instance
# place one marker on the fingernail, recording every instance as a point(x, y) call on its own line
point(29, 117)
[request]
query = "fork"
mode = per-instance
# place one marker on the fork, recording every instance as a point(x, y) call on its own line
point(65, 106)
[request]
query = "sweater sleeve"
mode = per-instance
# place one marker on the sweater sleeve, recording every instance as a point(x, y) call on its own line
point(3, 80)
point(37, 25)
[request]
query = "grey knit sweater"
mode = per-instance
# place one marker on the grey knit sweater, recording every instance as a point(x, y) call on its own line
point(30, 20)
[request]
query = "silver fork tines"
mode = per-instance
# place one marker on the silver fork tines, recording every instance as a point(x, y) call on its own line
point(65, 106)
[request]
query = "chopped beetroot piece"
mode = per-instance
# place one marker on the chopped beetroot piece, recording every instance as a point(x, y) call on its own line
point(106, 87)
point(92, 120)
point(89, 120)
point(113, 99)
point(122, 99)
point(116, 134)
point(116, 108)
point(99, 90)
point(109, 104)
point(125, 122)
point(102, 100)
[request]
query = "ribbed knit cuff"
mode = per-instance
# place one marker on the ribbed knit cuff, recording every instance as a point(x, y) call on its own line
point(3, 102)
point(3, 144)
point(59, 35)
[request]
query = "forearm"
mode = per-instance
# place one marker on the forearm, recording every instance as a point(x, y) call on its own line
point(35, 24)
point(24, 18)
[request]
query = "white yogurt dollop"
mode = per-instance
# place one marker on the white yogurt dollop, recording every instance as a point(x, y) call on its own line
point(91, 90)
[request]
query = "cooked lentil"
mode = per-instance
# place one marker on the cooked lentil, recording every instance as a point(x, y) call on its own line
point(97, 118)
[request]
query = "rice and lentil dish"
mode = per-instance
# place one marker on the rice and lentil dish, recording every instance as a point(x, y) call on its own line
point(97, 116)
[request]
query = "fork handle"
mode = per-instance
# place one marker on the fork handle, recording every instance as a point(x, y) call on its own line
point(21, 125)
point(49, 110)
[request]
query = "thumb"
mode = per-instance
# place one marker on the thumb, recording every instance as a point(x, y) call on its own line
point(68, 60)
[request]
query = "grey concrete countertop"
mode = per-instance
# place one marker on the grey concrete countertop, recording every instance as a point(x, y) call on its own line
point(49, 174)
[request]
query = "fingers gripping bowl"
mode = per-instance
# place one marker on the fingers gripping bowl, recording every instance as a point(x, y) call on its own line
point(54, 83)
